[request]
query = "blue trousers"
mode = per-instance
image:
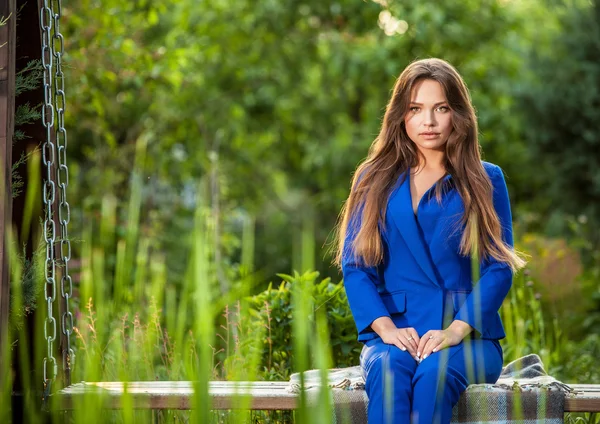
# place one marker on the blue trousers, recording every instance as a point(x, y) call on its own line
point(402, 390)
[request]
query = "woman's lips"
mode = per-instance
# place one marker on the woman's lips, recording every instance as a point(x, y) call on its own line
point(430, 135)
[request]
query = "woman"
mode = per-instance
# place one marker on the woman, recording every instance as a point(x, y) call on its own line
point(422, 208)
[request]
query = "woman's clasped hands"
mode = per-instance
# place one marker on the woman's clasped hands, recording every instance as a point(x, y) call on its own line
point(420, 348)
point(436, 340)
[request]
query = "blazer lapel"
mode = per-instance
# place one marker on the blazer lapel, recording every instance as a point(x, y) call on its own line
point(400, 209)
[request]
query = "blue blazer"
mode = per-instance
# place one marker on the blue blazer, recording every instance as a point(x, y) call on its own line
point(423, 281)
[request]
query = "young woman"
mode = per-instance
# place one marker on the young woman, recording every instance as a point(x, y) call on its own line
point(423, 206)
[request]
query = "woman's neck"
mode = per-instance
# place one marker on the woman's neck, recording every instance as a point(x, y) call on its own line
point(431, 160)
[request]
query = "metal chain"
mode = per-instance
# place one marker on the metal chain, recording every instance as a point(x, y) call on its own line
point(49, 193)
point(64, 210)
point(54, 103)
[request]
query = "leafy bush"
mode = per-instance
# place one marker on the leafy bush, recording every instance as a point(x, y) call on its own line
point(561, 116)
point(271, 312)
point(581, 361)
point(528, 328)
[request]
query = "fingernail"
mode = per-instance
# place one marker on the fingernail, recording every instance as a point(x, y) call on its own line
point(417, 359)
point(418, 354)
point(404, 349)
point(435, 350)
point(425, 357)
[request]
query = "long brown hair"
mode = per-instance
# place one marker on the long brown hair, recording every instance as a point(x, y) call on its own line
point(393, 153)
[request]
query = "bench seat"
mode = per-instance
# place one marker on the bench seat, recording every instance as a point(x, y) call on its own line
point(265, 395)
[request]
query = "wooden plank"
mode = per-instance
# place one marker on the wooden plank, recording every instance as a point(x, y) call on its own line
point(266, 395)
point(7, 110)
point(179, 395)
point(26, 223)
point(586, 400)
point(586, 387)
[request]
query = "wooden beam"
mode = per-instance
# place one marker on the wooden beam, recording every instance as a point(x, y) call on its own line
point(7, 110)
point(586, 398)
point(257, 395)
point(25, 218)
point(265, 395)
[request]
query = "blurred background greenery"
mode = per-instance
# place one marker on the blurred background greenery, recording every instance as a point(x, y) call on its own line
point(268, 107)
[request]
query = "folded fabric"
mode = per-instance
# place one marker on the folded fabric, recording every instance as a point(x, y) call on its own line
point(528, 373)
point(350, 378)
point(524, 393)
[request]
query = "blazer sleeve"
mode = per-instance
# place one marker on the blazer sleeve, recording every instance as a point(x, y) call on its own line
point(482, 305)
point(360, 283)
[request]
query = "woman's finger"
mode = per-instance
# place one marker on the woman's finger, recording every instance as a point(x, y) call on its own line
point(440, 346)
point(399, 344)
point(410, 339)
point(432, 341)
point(427, 346)
point(410, 346)
point(415, 336)
point(422, 343)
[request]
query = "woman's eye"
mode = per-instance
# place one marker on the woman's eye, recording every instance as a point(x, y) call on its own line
point(414, 109)
point(444, 108)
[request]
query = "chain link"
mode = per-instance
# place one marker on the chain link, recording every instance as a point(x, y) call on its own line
point(49, 193)
point(64, 210)
point(55, 105)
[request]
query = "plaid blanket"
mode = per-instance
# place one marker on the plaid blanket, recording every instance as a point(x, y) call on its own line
point(523, 394)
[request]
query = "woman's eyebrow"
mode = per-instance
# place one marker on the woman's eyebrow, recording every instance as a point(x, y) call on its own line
point(421, 104)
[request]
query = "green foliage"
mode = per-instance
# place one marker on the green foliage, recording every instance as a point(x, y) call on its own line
point(17, 182)
point(527, 329)
point(137, 343)
point(561, 110)
point(26, 285)
point(580, 418)
point(26, 79)
point(24, 114)
point(276, 104)
point(272, 310)
point(581, 361)
point(530, 329)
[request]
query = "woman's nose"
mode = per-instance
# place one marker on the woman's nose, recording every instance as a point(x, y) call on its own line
point(429, 118)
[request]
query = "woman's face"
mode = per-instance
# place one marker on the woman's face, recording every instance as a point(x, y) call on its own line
point(428, 121)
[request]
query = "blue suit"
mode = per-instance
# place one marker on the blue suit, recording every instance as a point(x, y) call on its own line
point(424, 283)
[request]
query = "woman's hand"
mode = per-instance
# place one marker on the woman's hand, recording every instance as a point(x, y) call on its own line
point(405, 339)
point(436, 340)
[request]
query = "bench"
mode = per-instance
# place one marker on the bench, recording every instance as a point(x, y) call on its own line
point(266, 395)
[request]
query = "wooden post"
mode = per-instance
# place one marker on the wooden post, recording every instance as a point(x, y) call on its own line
point(7, 109)
point(27, 354)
